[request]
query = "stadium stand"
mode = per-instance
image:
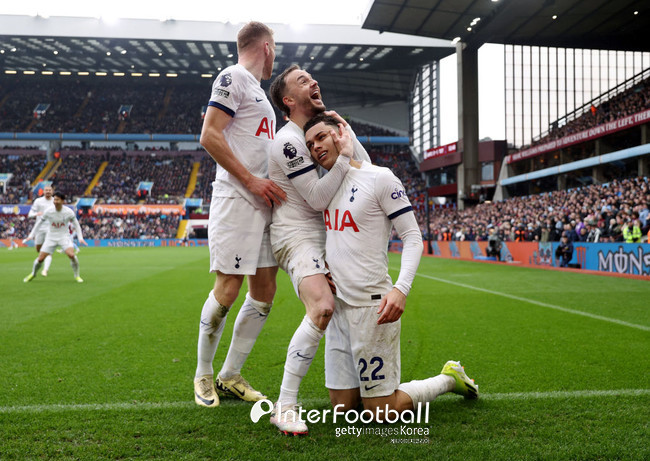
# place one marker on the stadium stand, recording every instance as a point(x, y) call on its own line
point(129, 226)
point(544, 217)
point(631, 101)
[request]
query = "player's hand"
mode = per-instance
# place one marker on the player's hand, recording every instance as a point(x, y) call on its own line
point(83, 242)
point(28, 239)
point(338, 118)
point(270, 192)
point(330, 282)
point(342, 141)
point(391, 307)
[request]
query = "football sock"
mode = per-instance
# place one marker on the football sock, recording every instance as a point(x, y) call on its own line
point(74, 262)
point(47, 262)
point(428, 389)
point(36, 266)
point(213, 319)
point(302, 348)
point(248, 324)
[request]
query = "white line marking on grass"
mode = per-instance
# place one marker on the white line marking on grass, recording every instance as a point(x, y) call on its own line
point(139, 406)
point(539, 303)
point(565, 394)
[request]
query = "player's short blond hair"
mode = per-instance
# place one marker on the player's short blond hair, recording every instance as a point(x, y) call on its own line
point(251, 33)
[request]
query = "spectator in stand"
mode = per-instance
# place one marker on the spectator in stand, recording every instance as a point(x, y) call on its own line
point(494, 245)
point(564, 251)
point(632, 231)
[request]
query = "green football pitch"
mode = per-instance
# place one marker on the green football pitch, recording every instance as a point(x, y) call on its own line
point(103, 369)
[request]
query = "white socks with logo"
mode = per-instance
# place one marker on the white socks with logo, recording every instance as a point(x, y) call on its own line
point(213, 319)
point(302, 348)
point(248, 325)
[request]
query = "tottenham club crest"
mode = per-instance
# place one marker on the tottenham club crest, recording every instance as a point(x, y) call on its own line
point(289, 151)
point(225, 80)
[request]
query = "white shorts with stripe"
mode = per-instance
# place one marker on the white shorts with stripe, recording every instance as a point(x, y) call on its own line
point(301, 255)
point(360, 353)
point(238, 236)
point(40, 237)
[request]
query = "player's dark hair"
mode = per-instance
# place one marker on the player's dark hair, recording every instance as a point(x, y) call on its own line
point(251, 33)
point(61, 195)
point(278, 88)
point(322, 117)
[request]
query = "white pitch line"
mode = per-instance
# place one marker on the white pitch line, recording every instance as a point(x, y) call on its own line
point(539, 303)
point(60, 408)
point(565, 394)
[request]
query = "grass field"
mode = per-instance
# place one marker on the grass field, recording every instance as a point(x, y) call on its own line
point(103, 370)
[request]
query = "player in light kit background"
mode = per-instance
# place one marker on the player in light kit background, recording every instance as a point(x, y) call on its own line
point(362, 354)
point(238, 130)
point(297, 234)
point(36, 211)
point(56, 220)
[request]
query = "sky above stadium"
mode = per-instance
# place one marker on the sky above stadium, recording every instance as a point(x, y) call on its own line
point(344, 12)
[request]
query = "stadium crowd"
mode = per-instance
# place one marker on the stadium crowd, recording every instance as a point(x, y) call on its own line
point(169, 174)
point(601, 211)
point(81, 107)
point(129, 226)
point(634, 99)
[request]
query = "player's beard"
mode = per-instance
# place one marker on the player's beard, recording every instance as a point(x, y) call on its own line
point(317, 110)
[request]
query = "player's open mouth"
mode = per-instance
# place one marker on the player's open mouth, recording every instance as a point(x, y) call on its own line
point(321, 156)
point(316, 95)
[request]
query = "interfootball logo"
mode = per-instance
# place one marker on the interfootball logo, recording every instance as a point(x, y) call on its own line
point(289, 151)
point(225, 80)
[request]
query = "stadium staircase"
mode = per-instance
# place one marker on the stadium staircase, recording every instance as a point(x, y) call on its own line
point(191, 184)
point(43, 172)
point(182, 225)
point(2, 102)
point(166, 100)
point(82, 106)
point(55, 167)
point(31, 125)
point(93, 183)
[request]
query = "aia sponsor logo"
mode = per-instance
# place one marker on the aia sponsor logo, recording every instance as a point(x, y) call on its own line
point(342, 219)
point(266, 128)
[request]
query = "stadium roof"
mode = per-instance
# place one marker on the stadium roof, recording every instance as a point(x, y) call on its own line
point(353, 66)
point(590, 24)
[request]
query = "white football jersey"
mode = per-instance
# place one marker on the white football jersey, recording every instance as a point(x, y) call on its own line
point(358, 226)
point(250, 133)
point(40, 205)
point(292, 168)
point(56, 222)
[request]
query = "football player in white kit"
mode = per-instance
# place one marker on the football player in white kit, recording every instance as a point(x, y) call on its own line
point(238, 130)
point(362, 352)
point(297, 233)
point(56, 220)
point(38, 208)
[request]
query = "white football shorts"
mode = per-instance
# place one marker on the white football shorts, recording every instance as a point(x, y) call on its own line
point(50, 244)
point(238, 236)
point(301, 256)
point(360, 353)
point(39, 238)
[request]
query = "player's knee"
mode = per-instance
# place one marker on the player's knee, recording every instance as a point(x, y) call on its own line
point(262, 307)
point(323, 314)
